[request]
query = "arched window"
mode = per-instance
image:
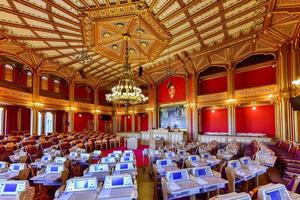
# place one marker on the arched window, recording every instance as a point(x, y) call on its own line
point(40, 123)
point(44, 83)
point(29, 79)
point(1, 121)
point(56, 86)
point(48, 122)
point(8, 76)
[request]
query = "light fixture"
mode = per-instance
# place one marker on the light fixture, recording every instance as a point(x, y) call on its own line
point(97, 111)
point(1, 108)
point(131, 51)
point(119, 25)
point(80, 115)
point(296, 82)
point(83, 56)
point(253, 107)
point(71, 108)
point(114, 47)
point(126, 92)
point(37, 104)
point(106, 34)
point(230, 101)
point(213, 111)
point(144, 44)
point(139, 30)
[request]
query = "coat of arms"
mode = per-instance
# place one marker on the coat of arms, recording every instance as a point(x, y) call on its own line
point(171, 90)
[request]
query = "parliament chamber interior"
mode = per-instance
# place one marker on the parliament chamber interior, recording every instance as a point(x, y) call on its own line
point(149, 99)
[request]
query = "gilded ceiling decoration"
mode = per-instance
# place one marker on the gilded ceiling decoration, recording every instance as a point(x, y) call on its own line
point(196, 33)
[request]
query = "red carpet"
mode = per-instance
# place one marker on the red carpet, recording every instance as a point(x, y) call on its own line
point(138, 154)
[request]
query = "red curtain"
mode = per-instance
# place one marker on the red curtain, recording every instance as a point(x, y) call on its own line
point(25, 123)
point(101, 124)
point(214, 120)
point(60, 121)
point(260, 120)
point(12, 119)
point(144, 122)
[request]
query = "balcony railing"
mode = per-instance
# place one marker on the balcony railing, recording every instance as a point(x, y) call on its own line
point(51, 94)
point(14, 86)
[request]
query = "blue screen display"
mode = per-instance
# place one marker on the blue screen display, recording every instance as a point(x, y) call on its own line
point(79, 184)
point(205, 155)
point(177, 175)
point(275, 195)
point(234, 165)
point(10, 187)
point(163, 163)
point(127, 154)
point(98, 168)
point(201, 172)
point(116, 181)
point(123, 166)
point(126, 158)
point(54, 169)
point(46, 158)
point(16, 167)
point(246, 162)
point(193, 158)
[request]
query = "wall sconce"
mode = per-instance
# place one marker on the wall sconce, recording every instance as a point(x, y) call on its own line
point(253, 107)
point(296, 83)
point(213, 111)
point(1, 108)
point(71, 108)
point(37, 104)
point(80, 115)
point(149, 109)
point(131, 112)
point(231, 101)
point(97, 111)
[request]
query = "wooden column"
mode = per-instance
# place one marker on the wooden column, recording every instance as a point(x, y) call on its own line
point(188, 108)
point(125, 123)
point(34, 121)
point(35, 97)
point(71, 121)
point(194, 106)
point(96, 121)
point(132, 122)
point(19, 119)
point(231, 95)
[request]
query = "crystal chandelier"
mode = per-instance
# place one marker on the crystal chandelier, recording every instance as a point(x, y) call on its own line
point(83, 57)
point(126, 92)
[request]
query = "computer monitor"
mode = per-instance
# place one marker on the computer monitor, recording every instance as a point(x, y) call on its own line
point(73, 154)
point(245, 160)
point(164, 162)
point(234, 196)
point(205, 155)
point(273, 192)
point(81, 184)
point(16, 166)
point(177, 175)
point(126, 159)
point(193, 158)
point(97, 152)
point(108, 160)
point(12, 187)
point(123, 166)
point(235, 164)
point(60, 159)
point(85, 156)
point(54, 168)
point(118, 181)
point(3, 164)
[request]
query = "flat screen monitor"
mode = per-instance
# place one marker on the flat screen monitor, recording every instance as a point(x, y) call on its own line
point(126, 158)
point(98, 168)
point(275, 195)
point(117, 181)
point(10, 187)
point(205, 155)
point(46, 158)
point(234, 165)
point(193, 158)
point(80, 184)
point(123, 166)
point(2, 165)
point(54, 169)
point(177, 176)
point(127, 154)
point(201, 172)
point(163, 163)
point(16, 167)
point(246, 162)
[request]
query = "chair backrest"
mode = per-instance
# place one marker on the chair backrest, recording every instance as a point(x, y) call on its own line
point(231, 179)
point(28, 194)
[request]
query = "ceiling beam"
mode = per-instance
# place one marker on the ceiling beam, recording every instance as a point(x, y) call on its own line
point(100, 64)
point(56, 48)
point(91, 63)
point(77, 61)
point(48, 39)
point(57, 6)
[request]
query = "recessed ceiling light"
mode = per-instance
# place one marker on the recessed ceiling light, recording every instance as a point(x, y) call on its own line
point(120, 25)
point(144, 44)
point(115, 47)
point(140, 30)
point(106, 34)
point(131, 51)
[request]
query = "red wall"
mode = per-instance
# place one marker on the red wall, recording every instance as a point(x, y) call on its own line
point(12, 118)
point(25, 123)
point(128, 128)
point(180, 88)
point(214, 122)
point(1, 71)
point(101, 125)
point(82, 92)
point(81, 123)
point(255, 78)
point(261, 120)
point(213, 85)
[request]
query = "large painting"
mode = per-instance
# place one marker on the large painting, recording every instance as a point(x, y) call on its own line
point(173, 117)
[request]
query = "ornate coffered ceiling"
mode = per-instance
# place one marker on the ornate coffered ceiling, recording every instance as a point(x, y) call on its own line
point(196, 33)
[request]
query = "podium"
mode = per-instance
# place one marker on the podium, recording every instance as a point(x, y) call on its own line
point(132, 143)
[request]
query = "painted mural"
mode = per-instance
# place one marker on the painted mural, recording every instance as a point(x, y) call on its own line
point(173, 117)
